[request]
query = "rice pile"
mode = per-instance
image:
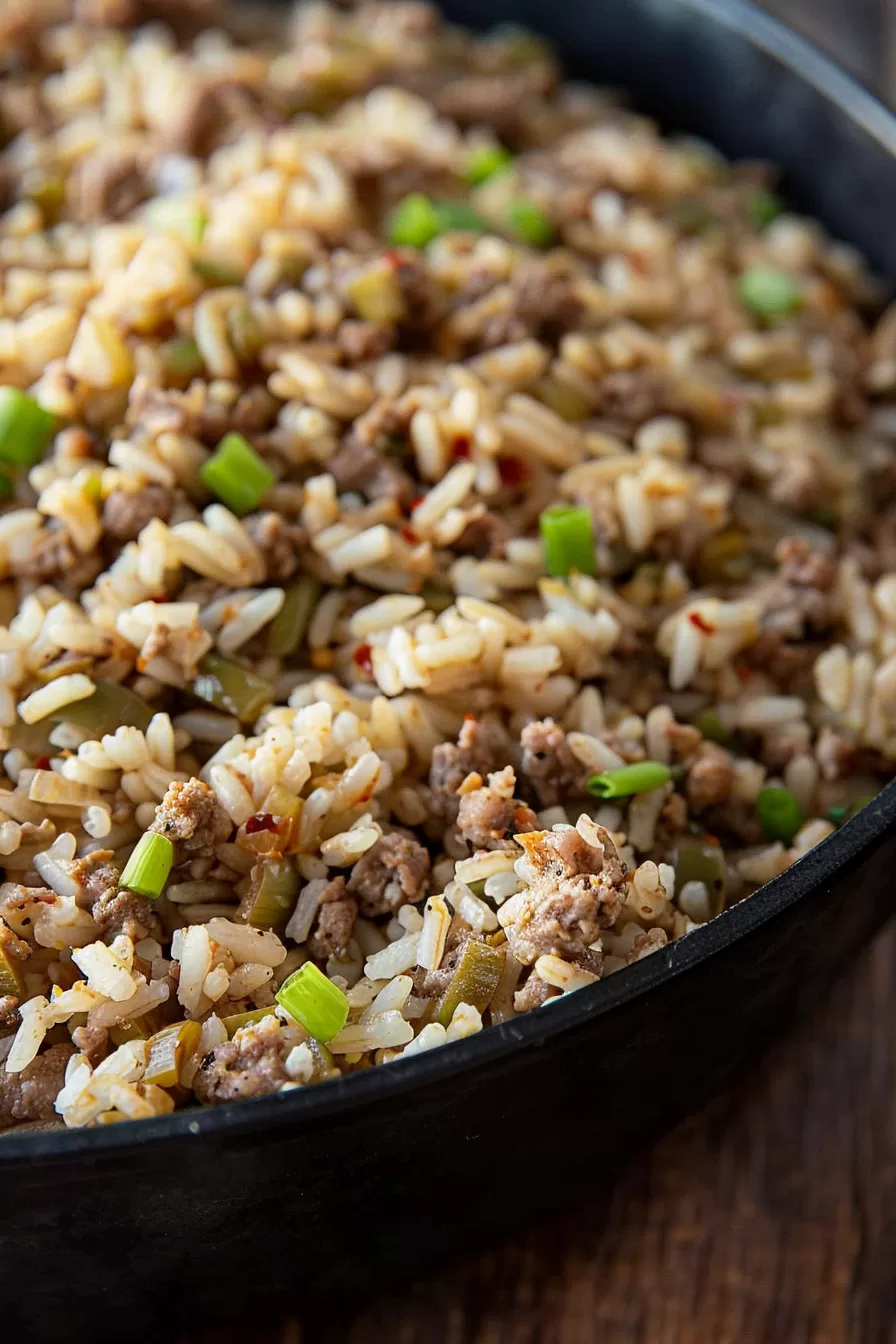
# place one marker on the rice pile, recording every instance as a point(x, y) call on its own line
point(361, 708)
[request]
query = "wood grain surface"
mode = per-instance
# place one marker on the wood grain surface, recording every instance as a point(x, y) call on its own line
point(769, 1218)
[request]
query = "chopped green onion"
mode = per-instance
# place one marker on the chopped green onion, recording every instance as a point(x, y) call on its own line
point(567, 538)
point(764, 206)
point(146, 871)
point(413, 222)
point(528, 221)
point(25, 428)
point(314, 1001)
point(287, 630)
point(232, 688)
point(172, 214)
point(768, 292)
point(838, 814)
point(712, 727)
point(485, 161)
point(236, 474)
point(216, 273)
point(108, 708)
point(779, 812)
point(181, 357)
point(455, 217)
point(638, 778)
point(416, 221)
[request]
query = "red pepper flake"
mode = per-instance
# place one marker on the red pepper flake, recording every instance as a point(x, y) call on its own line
point(512, 471)
point(415, 502)
point(700, 624)
point(263, 822)
point(638, 263)
point(42, 763)
point(707, 839)
point(394, 259)
point(461, 446)
point(409, 535)
point(363, 658)
point(469, 718)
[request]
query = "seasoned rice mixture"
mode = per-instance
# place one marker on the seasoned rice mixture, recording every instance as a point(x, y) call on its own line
point(447, 550)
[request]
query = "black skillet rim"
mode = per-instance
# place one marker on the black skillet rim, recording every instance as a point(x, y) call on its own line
point(305, 1107)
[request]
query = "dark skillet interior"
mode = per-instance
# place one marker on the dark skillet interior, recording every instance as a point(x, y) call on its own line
point(273, 1199)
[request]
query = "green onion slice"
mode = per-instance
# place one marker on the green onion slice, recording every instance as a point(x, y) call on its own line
point(314, 1002)
point(146, 871)
point(25, 428)
point(629, 779)
point(779, 812)
point(236, 474)
point(768, 292)
point(764, 206)
point(413, 222)
point(528, 221)
point(567, 539)
point(485, 161)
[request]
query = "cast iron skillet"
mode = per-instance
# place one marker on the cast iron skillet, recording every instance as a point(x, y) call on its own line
point(319, 1194)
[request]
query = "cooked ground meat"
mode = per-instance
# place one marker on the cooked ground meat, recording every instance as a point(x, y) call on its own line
point(632, 395)
point(710, 778)
point(92, 1042)
point(392, 873)
point(30, 1095)
point(576, 891)
point(360, 341)
point(95, 876)
point(279, 541)
point(108, 184)
point(126, 512)
point(425, 302)
point(835, 753)
point(542, 303)
point(119, 911)
point(484, 537)
point(549, 766)
point(491, 100)
point(806, 581)
point(335, 922)
point(533, 993)
point(488, 819)
point(362, 467)
point(252, 1064)
point(53, 558)
point(482, 745)
point(192, 817)
point(649, 940)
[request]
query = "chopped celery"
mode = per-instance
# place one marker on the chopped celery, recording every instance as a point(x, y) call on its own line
point(110, 706)
point(474, 981)
point(169, 1050)
point(236, 474)
point(232, 688)
point(287, 630)
point(273, 888)
point(698, 860)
